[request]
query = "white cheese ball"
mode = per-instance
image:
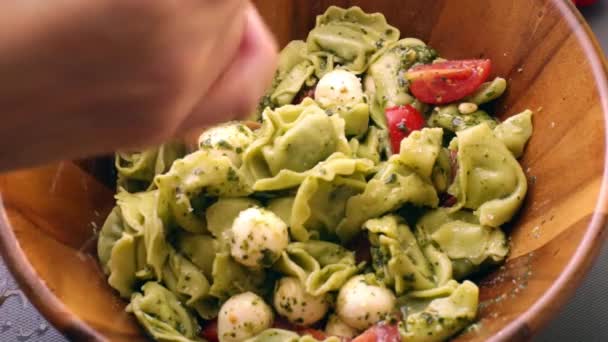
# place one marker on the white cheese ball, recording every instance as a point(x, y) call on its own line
point(258, 237)
point(294, 303)
point(336, 327)
point(243, 316)
point(339, 88)
point(229, 140)
point(360, 304)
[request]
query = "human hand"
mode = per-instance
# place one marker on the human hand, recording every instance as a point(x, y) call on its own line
point(80, 78)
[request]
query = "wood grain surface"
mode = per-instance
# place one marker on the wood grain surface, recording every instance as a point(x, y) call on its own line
point(51, 214)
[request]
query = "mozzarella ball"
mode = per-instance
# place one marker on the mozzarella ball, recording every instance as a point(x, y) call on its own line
point(336, 327)
point(258, 237)
point(243, 316)
point(294, 303)
point(360, 304)
point(229, 140)
point(338, 88)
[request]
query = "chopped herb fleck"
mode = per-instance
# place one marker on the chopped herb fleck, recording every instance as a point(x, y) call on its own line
point(403, 127)
point(224, 144)
point(267, 258)
point(232, 176)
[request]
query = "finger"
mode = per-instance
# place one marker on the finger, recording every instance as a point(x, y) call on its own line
point(237, 91)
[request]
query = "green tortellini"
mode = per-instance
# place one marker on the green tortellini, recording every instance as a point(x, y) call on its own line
point(200, 249)
point(415, 301)
point(280, 335)
point(349, 37)
point(275, 335)
point(405, 178)
point(127, 261)
point(449, 117)
point(488, 91)
point(144, 214)
point(303, 130)
point(420, 151)
point(460, 237)
point(356, 119)
point(396, 256)
point(442, 317)
point(198, 174)
point(338, 164)
point(489, 179)
point(110, 233)
point(319, 205)
point(373, 147)
point(293, 71)
point(291, 75)
point(282, 207)
point(136, 170)
point(292, 54)
point(160, 312)
point(186, 280)
point(132, 245)
point(292, 83)
point(231, 278)
point(441, 264)
point(321, 266)
point(385, 82)
point(515, 132)
point(442, 170)
point(320, 201)
point(463, 240)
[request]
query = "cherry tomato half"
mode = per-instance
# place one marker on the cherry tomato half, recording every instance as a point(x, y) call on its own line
point(209, 331)
point(281, 323)
point(317, 334)
point(380, 332)
point(401, 121)
point(446, 82)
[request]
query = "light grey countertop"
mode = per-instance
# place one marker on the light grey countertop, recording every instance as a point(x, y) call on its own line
point(582, 319)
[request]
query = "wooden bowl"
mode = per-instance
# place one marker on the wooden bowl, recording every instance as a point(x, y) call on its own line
point(554, 66)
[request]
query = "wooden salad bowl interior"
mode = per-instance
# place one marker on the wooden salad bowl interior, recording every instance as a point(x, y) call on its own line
point(51, 214)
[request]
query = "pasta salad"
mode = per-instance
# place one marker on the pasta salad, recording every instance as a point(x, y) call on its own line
point(370, 187)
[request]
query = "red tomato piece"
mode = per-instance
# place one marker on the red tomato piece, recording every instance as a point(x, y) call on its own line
point(401, 121)
point(209, 331)
point(302, 94)
point(361, 246)
point(380, 332)
point(446, 200)
point(317, 334)
point(445, 82)
point(280, 323)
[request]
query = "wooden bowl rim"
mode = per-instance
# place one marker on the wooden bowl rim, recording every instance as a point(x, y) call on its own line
point(56, 312)
point(53, 309)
